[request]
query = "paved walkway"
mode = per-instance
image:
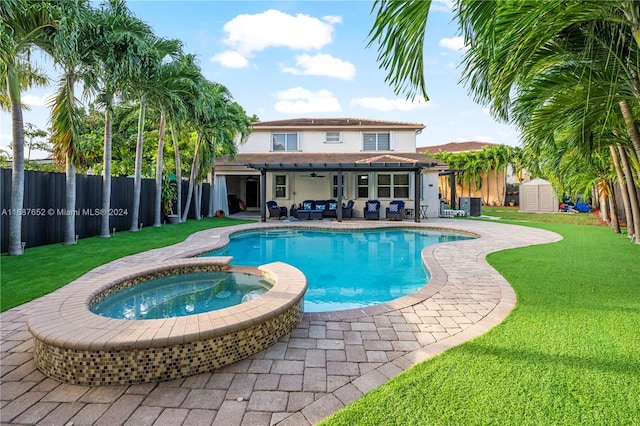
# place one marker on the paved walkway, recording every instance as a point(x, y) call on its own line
point(327, 362)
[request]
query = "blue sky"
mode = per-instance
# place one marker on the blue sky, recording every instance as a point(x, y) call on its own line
point(288, 59)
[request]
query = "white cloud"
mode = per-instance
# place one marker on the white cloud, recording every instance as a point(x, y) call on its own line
point(230, 59)
point(251, 33)
point(442, 5)
point(298, 100)
point(386, 104)
point(486, 111)
point(454, 43)
point(331, 19)
point(34, 100)
point(322, 64)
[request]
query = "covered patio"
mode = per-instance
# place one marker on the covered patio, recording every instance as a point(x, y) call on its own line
point(340, 164)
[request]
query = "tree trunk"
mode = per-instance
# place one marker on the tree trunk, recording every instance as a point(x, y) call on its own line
point(198, 201)
point(615, 223)
point(633, 129)
point(634, 220)
point(106, 176)
point(624, 193)
point(17, 163)
point(192, 179)
point(176, 153)
point(70, 218)
point(158, 207)
point(604, 208)
point(137, 179)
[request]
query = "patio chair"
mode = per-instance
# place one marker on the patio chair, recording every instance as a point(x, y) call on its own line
point(331, 210)
point(347, 211)
point(395, 211)
point(275, 210)
point(372, 209)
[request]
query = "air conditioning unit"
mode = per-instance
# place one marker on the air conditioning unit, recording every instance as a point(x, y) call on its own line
point(471, 206)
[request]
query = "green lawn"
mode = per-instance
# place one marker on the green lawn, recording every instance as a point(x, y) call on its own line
point(568, 354)
point(43, 269)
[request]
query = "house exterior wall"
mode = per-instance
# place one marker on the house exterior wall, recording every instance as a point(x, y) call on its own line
point(315, 141)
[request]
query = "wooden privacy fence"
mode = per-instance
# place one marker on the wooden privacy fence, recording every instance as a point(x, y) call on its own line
point(44, 208)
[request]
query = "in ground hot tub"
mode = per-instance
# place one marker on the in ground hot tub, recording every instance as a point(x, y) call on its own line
point(77, 346)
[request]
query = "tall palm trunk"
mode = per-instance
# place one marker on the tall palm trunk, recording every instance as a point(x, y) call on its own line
point(158, 206)
point(70, 189)
point(633, 195)
point(176, 154)
point(70, 171)
point(137, 179)
point(106, 176)
point(624, 193)
point(198, 201)
point(604, 207)
point(17, 175)
point(615, 223)
point(632, 127)
point(192, 178)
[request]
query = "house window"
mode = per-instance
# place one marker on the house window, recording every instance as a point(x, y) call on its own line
point(363, 186)
point(284, 142)
point(332, 137)
point(393, 185)
point(281, 189)
point(376, 141)
point(334, 187)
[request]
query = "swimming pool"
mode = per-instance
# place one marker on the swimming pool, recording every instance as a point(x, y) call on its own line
point(344, 269)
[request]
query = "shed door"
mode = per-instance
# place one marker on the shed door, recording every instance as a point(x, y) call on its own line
point(530, 198)
point(545, 199)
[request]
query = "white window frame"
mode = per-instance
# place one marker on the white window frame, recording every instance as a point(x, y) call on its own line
point(393, 186)
point(377, 142)
point(332, 139)
point(362, 186)
point(284, 186)
point(334, 186)
point(286, 141)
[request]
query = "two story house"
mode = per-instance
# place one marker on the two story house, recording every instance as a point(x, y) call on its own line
point(289, 161)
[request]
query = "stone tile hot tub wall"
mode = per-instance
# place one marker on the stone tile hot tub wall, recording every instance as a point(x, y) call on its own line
point(76, 346)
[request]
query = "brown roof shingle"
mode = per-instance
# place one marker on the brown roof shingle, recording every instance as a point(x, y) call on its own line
point(301, 123)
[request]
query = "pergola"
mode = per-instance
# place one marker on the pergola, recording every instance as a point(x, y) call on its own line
point(358, 166)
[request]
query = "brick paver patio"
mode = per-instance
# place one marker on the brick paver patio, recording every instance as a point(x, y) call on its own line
point(328, 361)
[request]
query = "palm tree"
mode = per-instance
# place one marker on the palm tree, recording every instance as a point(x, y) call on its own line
point(73, 56)
point(25, 25)
point(119, 48)
point(145, 87)
point(209, 111)
point(499, 155)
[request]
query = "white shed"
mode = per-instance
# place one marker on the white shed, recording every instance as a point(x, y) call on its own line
point(536, 196)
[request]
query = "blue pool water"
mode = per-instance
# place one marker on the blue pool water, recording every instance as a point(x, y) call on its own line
point(182, 294)
point(344, 269)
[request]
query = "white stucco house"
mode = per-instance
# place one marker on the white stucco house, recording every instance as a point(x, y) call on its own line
point(289, 161)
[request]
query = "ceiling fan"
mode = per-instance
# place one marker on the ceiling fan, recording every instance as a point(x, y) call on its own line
point(314, 175)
